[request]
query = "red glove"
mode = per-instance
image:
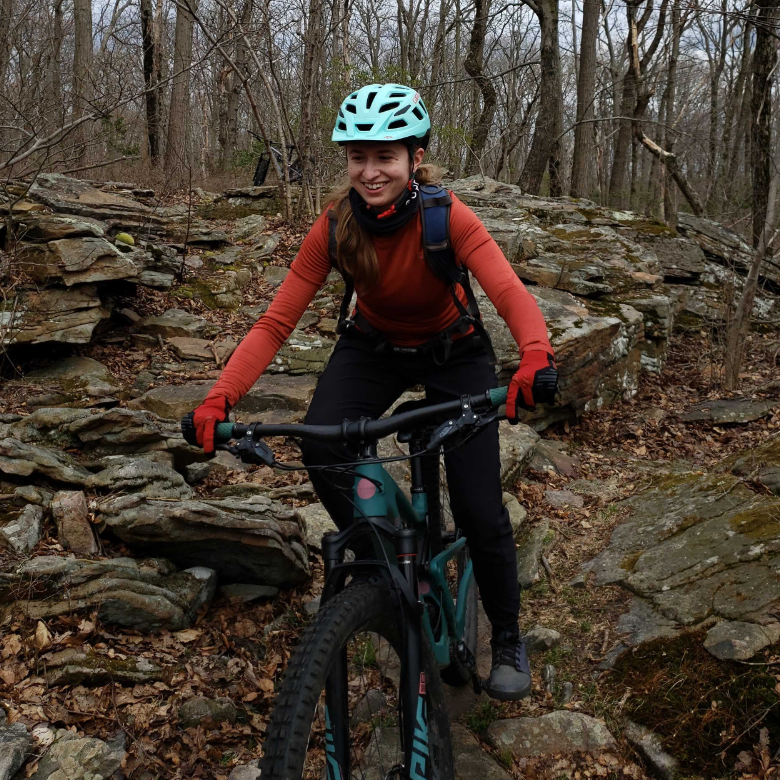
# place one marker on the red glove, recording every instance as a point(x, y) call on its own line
point(534, 382)
point(205, 418)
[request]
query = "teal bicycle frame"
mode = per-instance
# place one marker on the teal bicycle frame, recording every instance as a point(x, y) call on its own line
point(387, 500)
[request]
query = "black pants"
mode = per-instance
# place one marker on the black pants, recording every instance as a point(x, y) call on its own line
point(360, 382)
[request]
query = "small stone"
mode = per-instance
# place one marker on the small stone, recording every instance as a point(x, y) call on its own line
point(328, 325)
point(15, 745)
point(177, 322)
point(540, 639)
point(517, 512)
point(308, 318)
point(250, 771)
point(196, 472)
point(649, 745)
point(22, 531)
point(254, 312)
point(529, 553)
point(567, 692)
point(30, 494)
point(580, 580)
point(79, 758)
point(69, 509)
point(549, 457)
point(563, 498)
point(202, 711)
point(610, 659)
point(75, 667)
point(248, 592)
point(735, 640)
point(246, 227)
point(311, 608)
point(277, 624)
point(549, 673)
point(369, 707)
point(202, 349)
point(561, 731)
point(143, 381)
point(275, 274)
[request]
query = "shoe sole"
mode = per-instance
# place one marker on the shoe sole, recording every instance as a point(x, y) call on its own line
point(506, 695)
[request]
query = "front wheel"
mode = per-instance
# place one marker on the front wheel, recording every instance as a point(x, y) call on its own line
point(362, 627)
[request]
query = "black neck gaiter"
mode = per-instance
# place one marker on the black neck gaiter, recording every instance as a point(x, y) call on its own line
point(386, 219)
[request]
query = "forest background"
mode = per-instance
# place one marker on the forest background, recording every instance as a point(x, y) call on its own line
point(631, 103)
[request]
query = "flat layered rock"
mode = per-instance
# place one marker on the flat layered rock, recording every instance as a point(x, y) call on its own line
point(732, 411)
point(761, 464)
point(695, 547)
point(172, 401)
point(76, 666)
point(471, 761)
point(302, 354)
point(64, 315)
point(559, 732)
point(15, 746)
point(98, 433)
point(256, 540)
point(20, 459)
point(201, 349)
point(141, 475)
point(51, 227)
point(145, 595)
point(177, 322)
point(72, 261)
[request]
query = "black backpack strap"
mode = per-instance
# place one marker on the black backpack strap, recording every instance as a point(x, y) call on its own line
point(435, 204)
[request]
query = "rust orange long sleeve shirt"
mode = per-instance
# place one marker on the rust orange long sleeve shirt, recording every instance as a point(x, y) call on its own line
point(409, 304)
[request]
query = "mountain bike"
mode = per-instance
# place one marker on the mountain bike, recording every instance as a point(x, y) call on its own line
point(264, 163)
point(362, 696)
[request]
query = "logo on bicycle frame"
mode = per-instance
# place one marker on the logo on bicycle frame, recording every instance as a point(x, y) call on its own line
point(417, 771)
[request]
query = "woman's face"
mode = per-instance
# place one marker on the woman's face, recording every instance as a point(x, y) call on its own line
point(379, 172)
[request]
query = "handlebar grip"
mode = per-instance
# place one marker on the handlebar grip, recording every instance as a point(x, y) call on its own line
point(223, 432)
point(498, 395)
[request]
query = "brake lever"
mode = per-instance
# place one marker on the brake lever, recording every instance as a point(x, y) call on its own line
point(249, 449)
point(468, 422)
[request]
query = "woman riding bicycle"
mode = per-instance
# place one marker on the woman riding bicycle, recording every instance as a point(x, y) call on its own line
point(404, 314)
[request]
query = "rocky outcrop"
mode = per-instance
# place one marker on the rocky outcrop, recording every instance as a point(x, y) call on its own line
point(256, 540)
point(697, 549)
point(145, 595)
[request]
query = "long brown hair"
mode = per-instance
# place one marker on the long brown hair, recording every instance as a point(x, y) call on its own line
point(355, 253)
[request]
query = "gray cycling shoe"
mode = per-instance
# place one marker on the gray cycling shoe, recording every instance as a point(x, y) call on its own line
point(510, 677)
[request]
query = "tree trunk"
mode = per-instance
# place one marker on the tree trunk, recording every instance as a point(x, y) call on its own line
point(235, 88)
point(53, 65)
point(669, 192)
point(764, 61)
point(740, 325)
point(311, 56)
point(82, 73)
point(545, 147)
point(149, 58)
point(6, 14)
point(176, 156)
point(474, 67)
point(582, 164)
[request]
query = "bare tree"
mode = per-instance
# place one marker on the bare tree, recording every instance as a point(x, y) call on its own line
point(582, 167)
point(176, 151)
point(82, 69)
point(150, 57)
point(474, 66)
point(546, 146)
point(764, 64)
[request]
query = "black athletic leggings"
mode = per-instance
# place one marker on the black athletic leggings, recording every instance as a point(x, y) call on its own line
point(360, 382)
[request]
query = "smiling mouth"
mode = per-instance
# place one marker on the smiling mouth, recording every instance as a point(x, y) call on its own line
point(375, 187)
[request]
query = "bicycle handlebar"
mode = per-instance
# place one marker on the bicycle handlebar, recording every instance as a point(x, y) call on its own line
point(364, 430)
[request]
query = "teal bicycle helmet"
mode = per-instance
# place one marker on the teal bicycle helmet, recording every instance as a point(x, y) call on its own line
point(383, 112)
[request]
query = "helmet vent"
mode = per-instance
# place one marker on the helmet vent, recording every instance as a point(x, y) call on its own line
point(402, 110)
point(396, 94)
point(365, 128)
point(416, 111)
point(397, 123)
point(342, 126)
point(370, 100)
point(389, 107)
point(351, 108)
